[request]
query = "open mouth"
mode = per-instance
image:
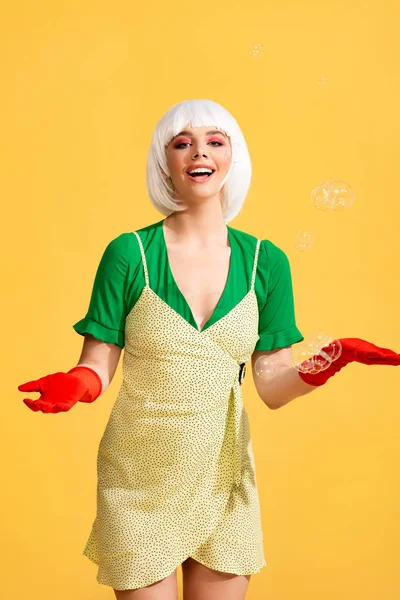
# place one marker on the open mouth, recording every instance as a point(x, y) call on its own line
point(200, 177)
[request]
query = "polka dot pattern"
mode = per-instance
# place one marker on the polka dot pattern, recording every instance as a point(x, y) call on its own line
point(176, 472)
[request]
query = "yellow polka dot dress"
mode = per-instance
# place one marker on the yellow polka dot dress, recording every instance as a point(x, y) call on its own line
point(176, 472)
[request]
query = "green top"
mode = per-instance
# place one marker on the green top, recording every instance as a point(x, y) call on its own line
point(120, 279)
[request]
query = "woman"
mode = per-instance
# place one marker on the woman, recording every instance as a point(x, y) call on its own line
point(191, 300)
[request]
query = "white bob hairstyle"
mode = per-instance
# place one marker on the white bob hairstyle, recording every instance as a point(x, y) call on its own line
point(198, 113)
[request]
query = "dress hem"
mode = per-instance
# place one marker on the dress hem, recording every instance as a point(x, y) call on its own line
point(246, 572)
point(102, 581)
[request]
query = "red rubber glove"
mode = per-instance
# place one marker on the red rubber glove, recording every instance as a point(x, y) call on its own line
point(60, 391)
point(353, 349)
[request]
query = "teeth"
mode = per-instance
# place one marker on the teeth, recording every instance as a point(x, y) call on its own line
point(200, 170)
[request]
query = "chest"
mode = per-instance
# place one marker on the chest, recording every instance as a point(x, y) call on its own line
point(201, 279)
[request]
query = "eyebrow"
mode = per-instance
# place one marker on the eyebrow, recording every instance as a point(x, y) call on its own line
point(211, 132)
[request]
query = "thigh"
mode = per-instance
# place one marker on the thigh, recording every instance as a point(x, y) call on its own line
point(165, 589)
point(200, 582)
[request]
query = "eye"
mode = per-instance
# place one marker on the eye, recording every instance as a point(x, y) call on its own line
point(184, 143)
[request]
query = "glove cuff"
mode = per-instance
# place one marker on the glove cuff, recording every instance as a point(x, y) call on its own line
point(315, 379)
point(91, 379)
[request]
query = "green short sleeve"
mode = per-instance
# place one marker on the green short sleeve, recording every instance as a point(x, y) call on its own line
point(105, 318)
point(277, 322)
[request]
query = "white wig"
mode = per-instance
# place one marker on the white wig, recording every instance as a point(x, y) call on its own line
point(198, 113)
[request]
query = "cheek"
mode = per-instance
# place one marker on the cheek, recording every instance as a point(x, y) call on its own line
point(175, 162)
point(227, 157)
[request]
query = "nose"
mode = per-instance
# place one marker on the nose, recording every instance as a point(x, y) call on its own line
point(198, 153)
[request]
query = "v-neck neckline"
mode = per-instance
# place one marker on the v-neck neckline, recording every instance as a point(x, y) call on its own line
point(178, 291)
point(179, 316)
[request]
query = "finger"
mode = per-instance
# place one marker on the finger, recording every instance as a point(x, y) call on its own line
point(56, 408)
point(390, 361)
point(34, 405)
point(30, 386)
point(63, 407)
point(49, 408)
point(394, 360)
point(388, 357)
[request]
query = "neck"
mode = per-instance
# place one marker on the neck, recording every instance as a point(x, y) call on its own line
point(197, 230)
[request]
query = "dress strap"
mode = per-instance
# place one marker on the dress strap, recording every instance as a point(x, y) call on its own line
point(255, 264)
point(146, 276)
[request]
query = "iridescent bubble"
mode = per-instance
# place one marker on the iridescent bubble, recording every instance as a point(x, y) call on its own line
point(257, 50)
point(304, 240)
point(266, 367)
point(316, 353)
point(332, 194)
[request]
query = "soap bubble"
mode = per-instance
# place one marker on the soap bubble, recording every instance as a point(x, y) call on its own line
point(320, 194)
point(266, 366)
point(257, 50)
point(304, 240)
point(303, 356)
point(316, 353)
point(327, 345)
point(342, 196)
point(332, 195)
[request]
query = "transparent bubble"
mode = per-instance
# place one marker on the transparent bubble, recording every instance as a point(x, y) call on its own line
point(323, 81)
point(303, 356)
point(304, 240)
point(257, 50)
point(331, 194)
point(320, 194)
point(327, 345)
point(266, 367)
point(321, 338)
point(342, 196)
point(316, 353)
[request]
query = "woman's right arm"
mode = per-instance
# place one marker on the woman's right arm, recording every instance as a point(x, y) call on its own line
point(101, 357)
point(85, 382)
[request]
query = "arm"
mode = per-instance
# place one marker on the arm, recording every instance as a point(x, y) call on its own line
point(285, 385)
point(288, 383)
point(101, 357)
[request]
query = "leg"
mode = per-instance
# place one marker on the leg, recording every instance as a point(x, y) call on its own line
point(165, 589)
point(200, 582)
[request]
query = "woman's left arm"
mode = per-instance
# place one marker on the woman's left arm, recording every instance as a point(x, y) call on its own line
point(289, 383)
point(285, 385)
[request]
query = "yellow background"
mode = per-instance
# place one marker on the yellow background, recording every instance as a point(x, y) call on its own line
point(83, 85)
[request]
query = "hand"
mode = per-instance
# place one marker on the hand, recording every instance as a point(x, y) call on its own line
point(353, 350)
point(60, 391)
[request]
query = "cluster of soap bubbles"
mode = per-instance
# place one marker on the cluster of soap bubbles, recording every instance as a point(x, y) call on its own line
point(320, 350)
point(316, 353)
point(309, 356)
point(332, 195)
point(256, 50)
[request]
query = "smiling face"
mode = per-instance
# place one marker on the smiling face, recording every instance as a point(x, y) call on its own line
point(191, 148)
